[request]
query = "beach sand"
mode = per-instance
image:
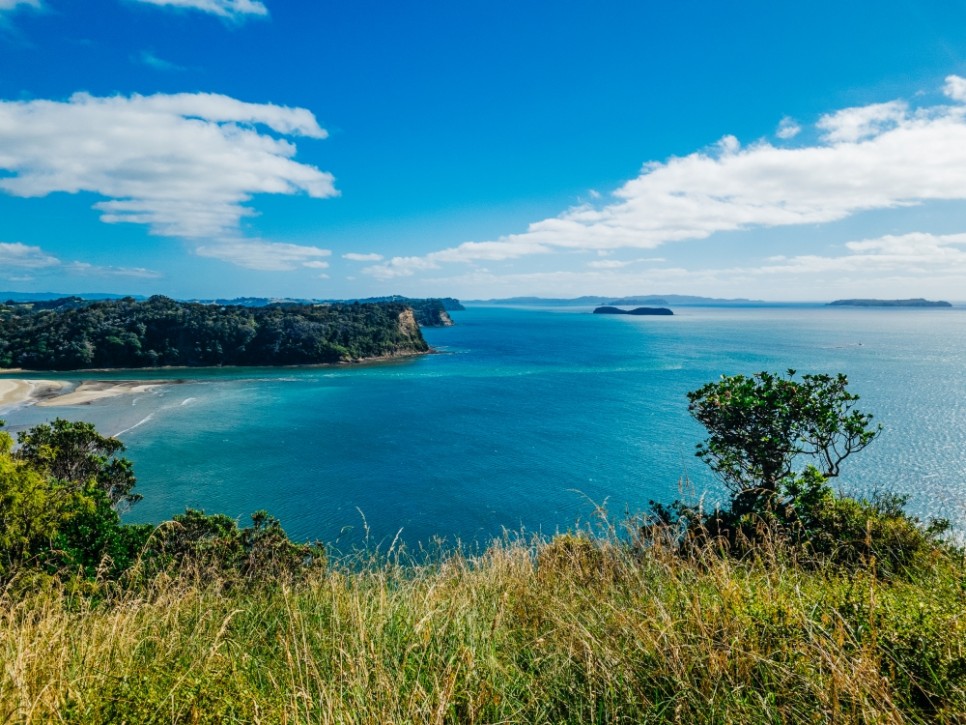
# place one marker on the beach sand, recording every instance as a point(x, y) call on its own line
point(52, 393)
point(18, 392)
point(89, 391)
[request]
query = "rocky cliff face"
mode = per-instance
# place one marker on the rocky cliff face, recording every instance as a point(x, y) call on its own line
point(430, 313)
point(408, 328)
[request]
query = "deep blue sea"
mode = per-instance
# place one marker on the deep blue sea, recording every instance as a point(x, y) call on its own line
point(526, 419)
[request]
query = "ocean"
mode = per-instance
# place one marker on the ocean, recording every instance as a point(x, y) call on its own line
point(528, 420)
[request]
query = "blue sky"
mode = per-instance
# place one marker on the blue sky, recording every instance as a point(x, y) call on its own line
point(203, 148)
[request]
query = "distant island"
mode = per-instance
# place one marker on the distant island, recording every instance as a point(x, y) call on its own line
point(74, 334)
point(594, 301)
point(607, 310)
point(917, 302)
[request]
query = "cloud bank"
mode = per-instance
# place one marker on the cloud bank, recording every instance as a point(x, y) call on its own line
point(186, 165)
point(228, 9)
point(874, 157)
point(266, 256)
point(17, 258)
point(8, 5)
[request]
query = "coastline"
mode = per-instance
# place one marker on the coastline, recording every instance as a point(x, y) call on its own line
point(44, 393)
point(15, 393)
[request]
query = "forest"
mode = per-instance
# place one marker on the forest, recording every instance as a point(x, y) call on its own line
point(73, 334)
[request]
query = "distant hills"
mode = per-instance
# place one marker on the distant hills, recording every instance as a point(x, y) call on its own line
point(917, 302)
point(645, 300)
point(44, 296)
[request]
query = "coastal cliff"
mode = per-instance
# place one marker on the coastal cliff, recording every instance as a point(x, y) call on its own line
point(161, 332)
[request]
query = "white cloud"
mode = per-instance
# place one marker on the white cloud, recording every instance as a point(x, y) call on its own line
point(788, 128)
point(876, 157)
point(511, 248)
point(609, 264)
point(355, 257)
point(854, 124)
point(620, 264)
point(955, 88)
point(316, 265)
point(228, 9)
point(18, 256)
point(265, 256)
point(146, 57)
point(22, 256)
point(909, 265)
point(916, 264)
point(93, 270)
point(8, 5)
point(185, 164)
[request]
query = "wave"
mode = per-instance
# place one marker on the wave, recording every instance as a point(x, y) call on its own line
point(136, 425)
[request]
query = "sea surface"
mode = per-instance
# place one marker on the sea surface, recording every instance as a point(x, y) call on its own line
point(529, 420)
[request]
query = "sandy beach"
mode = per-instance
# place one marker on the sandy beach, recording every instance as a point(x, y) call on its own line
point(18, 392)
point(52, 393)
point(89, 391)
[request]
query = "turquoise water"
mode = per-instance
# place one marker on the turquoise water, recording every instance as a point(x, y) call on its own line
point(527, 418)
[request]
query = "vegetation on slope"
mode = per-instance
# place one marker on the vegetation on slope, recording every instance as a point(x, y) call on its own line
point(159, 331)
point(790, 604)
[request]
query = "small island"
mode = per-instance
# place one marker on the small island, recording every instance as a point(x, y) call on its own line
point(917, 302)
point(607, 310)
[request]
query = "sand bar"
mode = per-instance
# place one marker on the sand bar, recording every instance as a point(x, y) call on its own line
point(18, 392)
point(89, 391)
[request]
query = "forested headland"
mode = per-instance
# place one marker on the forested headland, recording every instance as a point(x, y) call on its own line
point(73, 334)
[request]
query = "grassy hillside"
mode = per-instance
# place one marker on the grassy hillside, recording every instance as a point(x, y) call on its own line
point(573, 630)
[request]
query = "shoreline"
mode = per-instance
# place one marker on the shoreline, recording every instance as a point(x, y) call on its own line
point(17, 393)
point(82, 372)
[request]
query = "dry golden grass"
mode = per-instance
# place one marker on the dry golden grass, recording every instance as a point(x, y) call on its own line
point(571, 630)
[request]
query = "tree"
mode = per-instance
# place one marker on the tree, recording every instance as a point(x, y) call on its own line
point(75, 453)
point(759, 427)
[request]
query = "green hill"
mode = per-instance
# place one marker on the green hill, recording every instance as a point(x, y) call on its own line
point(126, 333)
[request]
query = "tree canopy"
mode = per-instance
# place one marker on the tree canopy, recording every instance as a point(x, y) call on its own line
point(162, 332)
point(760, 426)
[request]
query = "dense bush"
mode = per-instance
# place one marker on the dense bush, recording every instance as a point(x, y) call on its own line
point(160, 331)
point(760, 431)
point(60, 493)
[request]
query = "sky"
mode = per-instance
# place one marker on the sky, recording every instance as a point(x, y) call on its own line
point(314, 149)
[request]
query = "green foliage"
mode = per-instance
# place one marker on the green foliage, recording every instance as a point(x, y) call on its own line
point(215, 543)
point(59, 497)
point(759, 426)
point(75, 453)
point(159, 331)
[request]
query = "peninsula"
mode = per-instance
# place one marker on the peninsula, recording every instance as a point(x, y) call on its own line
point(917, 302)
point(607, 310)
point(74, 334)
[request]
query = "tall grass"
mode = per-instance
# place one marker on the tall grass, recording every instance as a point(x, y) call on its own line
point(571, 630)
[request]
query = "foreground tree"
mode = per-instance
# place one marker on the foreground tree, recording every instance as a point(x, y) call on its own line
point(760, 427)
point(75, 453)
point(775, 441)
